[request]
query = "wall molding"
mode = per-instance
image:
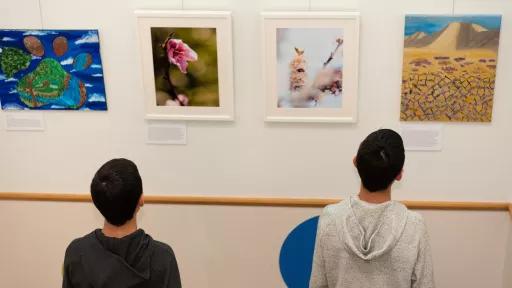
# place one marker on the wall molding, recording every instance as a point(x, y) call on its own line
point(255, 201)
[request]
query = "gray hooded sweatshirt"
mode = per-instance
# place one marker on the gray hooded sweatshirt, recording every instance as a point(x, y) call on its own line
point(361, 245)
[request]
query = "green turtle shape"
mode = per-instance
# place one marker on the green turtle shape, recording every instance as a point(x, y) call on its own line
point(13, 60)
point(49, 83)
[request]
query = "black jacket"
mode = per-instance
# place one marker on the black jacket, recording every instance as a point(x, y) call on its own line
point(135, 261)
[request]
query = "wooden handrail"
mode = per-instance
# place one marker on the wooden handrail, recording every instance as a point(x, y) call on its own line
point(256, 201)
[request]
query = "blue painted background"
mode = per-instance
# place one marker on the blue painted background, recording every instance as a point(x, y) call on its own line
point(431, 24)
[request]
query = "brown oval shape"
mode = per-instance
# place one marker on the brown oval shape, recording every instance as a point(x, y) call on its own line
point(60, 45)
point(89, 61)
point(34, 46)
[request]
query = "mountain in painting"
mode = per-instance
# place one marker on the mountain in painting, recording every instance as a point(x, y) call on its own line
point(455, 36)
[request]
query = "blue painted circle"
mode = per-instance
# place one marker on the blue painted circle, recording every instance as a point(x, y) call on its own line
point(296, 257)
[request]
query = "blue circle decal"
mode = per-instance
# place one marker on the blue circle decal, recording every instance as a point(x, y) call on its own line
point(296, 257)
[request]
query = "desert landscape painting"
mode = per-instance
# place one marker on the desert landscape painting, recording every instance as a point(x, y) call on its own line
point(449, 68)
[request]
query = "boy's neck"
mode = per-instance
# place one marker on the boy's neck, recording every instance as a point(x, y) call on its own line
point(113, 231)
point(376, 197)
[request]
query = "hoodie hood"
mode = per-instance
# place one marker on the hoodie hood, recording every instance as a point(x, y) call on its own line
point(372, 230)
point(125, 261)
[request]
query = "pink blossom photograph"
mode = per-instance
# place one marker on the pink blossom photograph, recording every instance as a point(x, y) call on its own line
point(185, 66)
point(309, 67)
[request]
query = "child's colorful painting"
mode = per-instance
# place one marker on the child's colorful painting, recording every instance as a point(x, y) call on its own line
point(185, 66)
point(51, 70)
point(309, 67)
point(449, 68)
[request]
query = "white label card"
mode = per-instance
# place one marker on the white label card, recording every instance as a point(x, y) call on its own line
point(24, 121)
point(422, 137)
point(174, 133)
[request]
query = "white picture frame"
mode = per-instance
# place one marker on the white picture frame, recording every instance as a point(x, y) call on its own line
point(348, 23)
point(221, 21)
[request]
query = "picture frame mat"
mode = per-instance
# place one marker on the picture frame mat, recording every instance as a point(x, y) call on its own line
point(271, 21)
point(221, 21)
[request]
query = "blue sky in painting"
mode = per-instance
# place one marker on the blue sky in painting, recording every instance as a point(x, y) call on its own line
point(79, 41)
point(431, 24)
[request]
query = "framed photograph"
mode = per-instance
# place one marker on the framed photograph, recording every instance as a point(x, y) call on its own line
point(187, 64)
point(311, 66)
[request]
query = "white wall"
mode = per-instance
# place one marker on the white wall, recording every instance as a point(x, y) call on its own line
point(248, 156)
point(233, 247)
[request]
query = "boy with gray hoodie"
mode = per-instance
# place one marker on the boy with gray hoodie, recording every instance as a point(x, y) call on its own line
point(369, 240)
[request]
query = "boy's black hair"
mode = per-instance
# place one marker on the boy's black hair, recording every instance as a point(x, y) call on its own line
point(116, 189)
point(380, 159)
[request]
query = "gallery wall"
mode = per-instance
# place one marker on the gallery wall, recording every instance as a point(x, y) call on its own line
point(248, 157)
point(221, 246)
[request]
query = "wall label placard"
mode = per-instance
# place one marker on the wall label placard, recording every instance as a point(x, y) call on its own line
point(174, 133)
point(422, 137)
point(22, 121)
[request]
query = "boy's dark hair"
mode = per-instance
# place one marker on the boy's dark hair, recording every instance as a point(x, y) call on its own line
point(380, 159)
point(116, 189)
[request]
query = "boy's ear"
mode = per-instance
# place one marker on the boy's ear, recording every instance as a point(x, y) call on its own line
point(141, 200)
point(400, 175)
point(139, 204)
point(354, 161)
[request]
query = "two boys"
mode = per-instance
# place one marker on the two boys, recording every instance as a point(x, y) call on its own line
point(365, 241)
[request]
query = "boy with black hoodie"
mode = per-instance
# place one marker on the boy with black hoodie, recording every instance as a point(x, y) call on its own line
point(120, 255)
point(369, 240)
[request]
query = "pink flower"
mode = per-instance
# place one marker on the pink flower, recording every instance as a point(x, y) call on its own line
point(180, 54)
point(181, 100)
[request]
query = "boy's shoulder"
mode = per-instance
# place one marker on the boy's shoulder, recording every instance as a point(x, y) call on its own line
point(332, 210)
point(77, 246)
point(414, 219)
point(162, 248)
point(341, 208)
point(414, 216)
point(163, 257)
point(81, 241)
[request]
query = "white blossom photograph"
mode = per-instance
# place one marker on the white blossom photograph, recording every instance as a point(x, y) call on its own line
point(311, 66)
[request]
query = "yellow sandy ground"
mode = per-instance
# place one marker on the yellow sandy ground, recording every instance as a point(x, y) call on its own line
point(446, 89)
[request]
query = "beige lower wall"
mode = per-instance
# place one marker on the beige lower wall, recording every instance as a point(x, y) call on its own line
point(507, 271)
point(225, 246)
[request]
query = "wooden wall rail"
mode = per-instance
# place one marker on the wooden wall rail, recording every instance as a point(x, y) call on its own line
point(256, 201)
